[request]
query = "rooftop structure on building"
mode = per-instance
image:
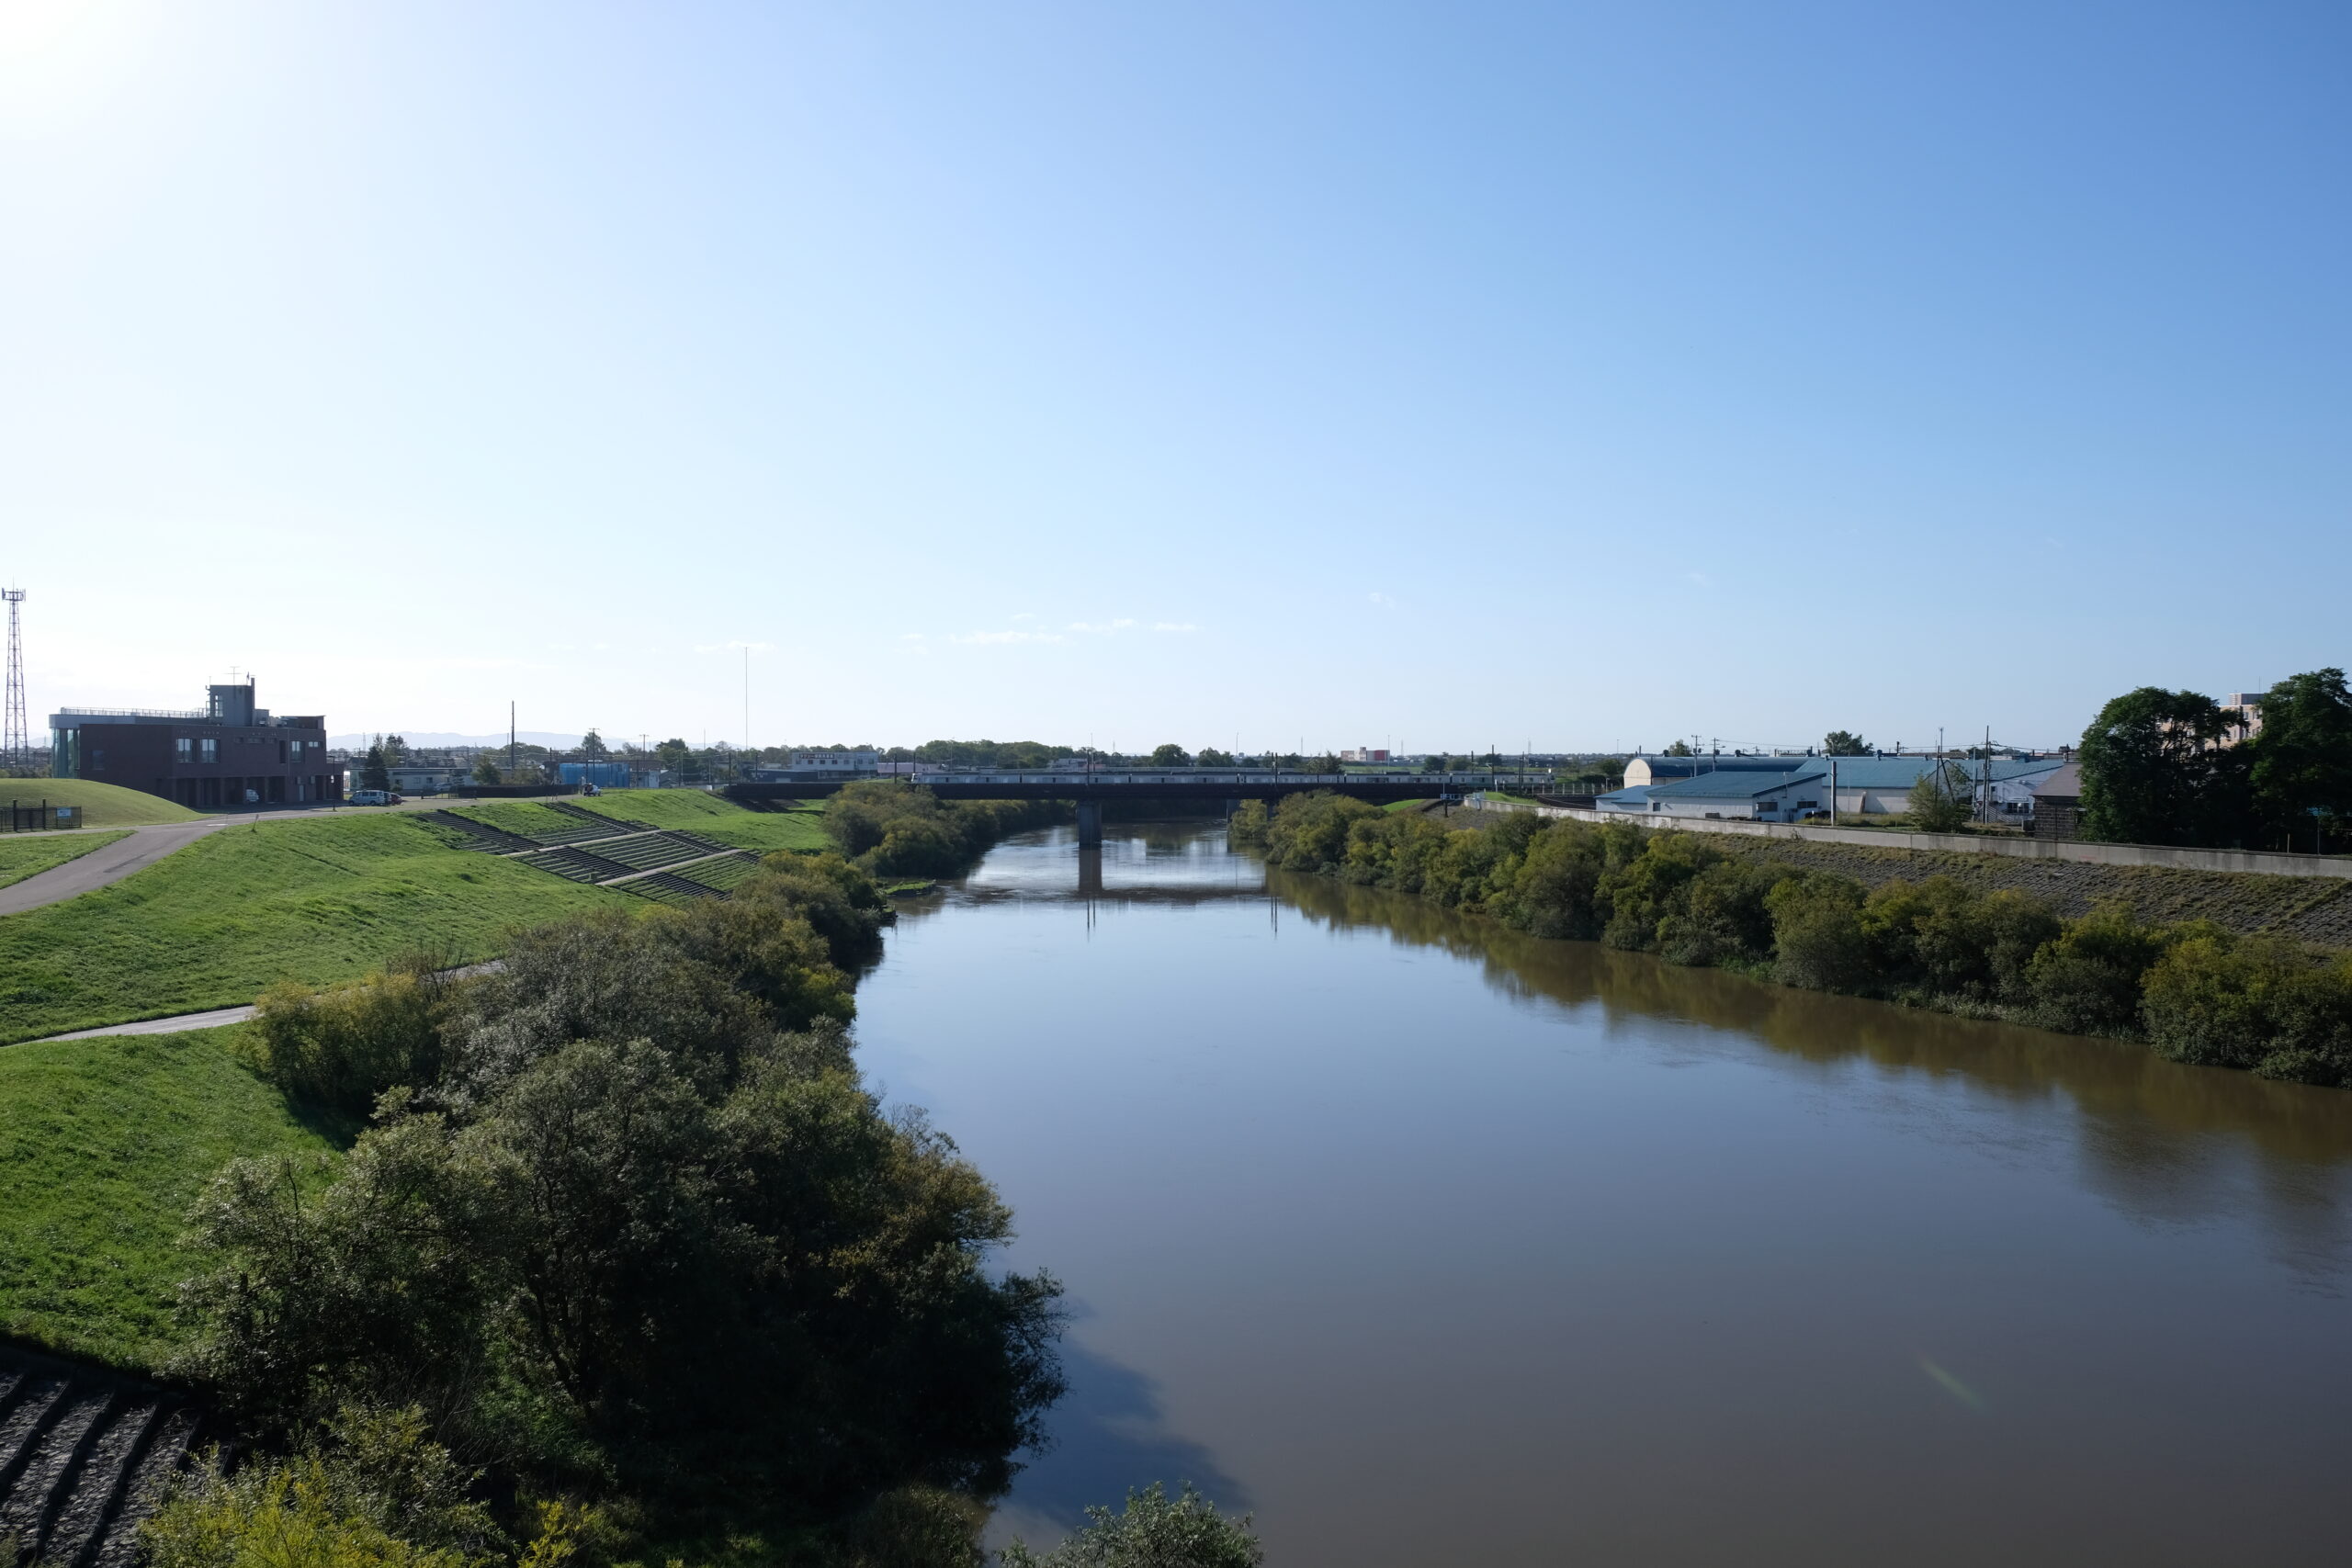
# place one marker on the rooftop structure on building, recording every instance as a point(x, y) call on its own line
point(227, 754)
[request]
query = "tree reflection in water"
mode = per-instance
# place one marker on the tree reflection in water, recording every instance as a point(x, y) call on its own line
point(2163, 1141)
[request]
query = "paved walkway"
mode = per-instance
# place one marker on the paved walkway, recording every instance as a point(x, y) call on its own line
point(172, 1025)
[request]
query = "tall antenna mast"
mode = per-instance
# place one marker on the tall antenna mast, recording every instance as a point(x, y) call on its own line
point(16, 737)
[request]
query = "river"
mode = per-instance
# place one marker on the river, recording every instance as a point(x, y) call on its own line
point(1434, 1244)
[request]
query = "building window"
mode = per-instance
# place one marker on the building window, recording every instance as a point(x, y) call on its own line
point(209, 749)
point(184, 750)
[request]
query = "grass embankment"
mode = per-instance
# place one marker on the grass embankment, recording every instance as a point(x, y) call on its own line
point(103, 805)
point(104, 1143)
point(20, 858)
point(314, 900)
point(529, 817)
point(715, 816)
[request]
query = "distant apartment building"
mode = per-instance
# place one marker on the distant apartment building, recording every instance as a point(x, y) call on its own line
point(428, 778)
point(228, 753)
point(815, 766)
point(2243, 712)
point(1365, 754)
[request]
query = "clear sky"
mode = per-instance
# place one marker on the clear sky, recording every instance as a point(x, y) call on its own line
point(1326, 373)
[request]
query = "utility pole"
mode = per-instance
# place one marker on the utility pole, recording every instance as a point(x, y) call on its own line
point(510, 738)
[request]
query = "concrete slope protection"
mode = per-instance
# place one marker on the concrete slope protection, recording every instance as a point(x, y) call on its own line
point(81, 1455)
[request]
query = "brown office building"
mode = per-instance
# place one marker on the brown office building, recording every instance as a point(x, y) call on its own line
point(230, 754)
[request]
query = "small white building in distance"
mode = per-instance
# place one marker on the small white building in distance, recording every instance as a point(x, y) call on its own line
point(863, 763)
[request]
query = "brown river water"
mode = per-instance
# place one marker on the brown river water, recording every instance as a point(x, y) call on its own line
point(1431, 1243)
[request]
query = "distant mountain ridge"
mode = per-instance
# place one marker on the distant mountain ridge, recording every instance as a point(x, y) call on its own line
point(437, 737)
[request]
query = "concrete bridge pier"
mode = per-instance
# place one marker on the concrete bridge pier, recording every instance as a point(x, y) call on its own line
point(1090, 824)
point(1232, 806)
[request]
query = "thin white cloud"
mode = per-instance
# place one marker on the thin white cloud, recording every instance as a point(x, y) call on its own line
point(738, 645)
point(1174, 626)
point(1377, 597)
point(1102, 628)
point(1001, 638)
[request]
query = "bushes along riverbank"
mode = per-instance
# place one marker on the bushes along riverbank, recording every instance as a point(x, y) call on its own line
point(899, 830)
point(2194, 991)
point(626, 1229)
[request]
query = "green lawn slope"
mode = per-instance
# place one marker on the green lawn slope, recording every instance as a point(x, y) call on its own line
point(714, 817)
point(103, 805)
point(20, 858)
point(525, 817)
point(313, 899)
point(104, 1143)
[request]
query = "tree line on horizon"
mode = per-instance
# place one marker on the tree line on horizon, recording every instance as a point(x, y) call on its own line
point(2163, 767)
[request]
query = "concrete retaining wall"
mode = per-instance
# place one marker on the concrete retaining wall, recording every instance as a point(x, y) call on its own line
point(2265, 864)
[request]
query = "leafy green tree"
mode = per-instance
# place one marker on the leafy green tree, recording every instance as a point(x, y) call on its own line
point(635, 1233)
point(1940, 799)
point(1170, 756)
point(674, 756)
point(2154, 771)
point(592, 748)
point(2303, 760)
point(1151, 1531)
point(373, 772)
point(486, 771)
point(1679, 749)
point(395, 750)
point(1844, 743)
point(1210, 757)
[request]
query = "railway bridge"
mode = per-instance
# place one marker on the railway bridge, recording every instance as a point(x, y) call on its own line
point(1092, 787)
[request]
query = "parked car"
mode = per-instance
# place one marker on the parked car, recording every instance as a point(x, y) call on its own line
point(375, 797)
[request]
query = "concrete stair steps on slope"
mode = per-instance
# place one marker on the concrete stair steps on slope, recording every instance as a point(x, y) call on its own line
point(619, 824)
point(580, 833)
point(721, 873)
point(81, 1455)
point(483, 836)
point(575, 865)
point(672, 882)
point(651, 851)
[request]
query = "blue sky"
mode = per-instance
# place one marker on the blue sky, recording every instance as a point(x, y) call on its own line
point(1334, 374)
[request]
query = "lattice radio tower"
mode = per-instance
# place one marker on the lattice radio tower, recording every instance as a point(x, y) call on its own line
point(16, 739)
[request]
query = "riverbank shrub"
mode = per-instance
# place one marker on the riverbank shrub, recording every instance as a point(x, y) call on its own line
point(637, 1233)
point(340, 1046)
point(1153, 1530)
point(2195, 992)
point(894, 828)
